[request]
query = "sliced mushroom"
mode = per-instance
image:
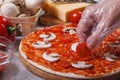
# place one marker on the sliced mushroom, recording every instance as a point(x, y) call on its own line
point(74, 46)
point(81, 65)
point(71, 30)
point(110, 57)
point(52, 57)
point(47, 37)
point(41, 45)
point(44, 36)
point(115, 45)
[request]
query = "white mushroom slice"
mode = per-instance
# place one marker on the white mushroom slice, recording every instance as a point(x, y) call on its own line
point(44, 36)
point(110, 57)
point(74, 46)
point(81, 65)
point(71, 30)
point(52, 57)
point(41, 45)
point(49, 37)
point(115, 45)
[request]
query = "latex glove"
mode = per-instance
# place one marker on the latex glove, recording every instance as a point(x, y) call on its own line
point(97, 21)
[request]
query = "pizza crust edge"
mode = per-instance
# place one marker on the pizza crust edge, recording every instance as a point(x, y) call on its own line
point(69, 75)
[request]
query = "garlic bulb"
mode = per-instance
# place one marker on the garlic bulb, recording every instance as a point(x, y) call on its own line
point(14, 1)
point(34, 4)
point(9, 10)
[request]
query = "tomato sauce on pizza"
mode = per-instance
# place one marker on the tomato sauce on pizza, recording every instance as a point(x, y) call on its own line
point(58, 48)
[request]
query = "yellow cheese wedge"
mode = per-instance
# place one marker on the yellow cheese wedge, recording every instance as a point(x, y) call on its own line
point(62, 10)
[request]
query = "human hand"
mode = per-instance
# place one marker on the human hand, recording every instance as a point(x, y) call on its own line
point(97, 21)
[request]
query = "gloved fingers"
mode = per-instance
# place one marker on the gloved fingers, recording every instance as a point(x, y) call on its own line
point(97, 35)
point(101, 31)
point(86, 23)
point(83, 30)
point(108, 20)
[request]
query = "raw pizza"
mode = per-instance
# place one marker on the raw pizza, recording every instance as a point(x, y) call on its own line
point(55, 49)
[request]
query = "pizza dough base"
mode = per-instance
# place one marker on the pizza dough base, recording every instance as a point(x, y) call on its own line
point(69, 75)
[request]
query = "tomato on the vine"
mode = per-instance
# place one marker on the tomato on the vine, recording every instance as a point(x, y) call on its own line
point(75, 16)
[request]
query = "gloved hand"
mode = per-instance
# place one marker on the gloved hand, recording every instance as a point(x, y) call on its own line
point(97, 21)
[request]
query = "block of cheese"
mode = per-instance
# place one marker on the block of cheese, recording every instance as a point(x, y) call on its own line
point(62, 9)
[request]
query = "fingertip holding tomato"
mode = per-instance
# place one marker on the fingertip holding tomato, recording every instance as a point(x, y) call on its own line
point(75, 16)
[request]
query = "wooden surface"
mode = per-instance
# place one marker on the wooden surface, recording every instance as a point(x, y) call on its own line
point(48, 20)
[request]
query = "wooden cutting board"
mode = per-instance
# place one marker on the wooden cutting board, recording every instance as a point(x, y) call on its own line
point(49, 20)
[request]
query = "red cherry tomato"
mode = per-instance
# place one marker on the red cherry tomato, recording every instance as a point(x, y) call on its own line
point(75, 16)
point(84, 52)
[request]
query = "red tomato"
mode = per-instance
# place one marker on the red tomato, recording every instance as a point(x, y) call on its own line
point(84, 52)
point(75, 16)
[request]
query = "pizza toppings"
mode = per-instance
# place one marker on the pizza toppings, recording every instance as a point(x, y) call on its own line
point(74, 46)
point(83, 51)
point(41, 45)
point(110, 57)
point(44, 36)
point(51, 57)
point(81, 65)
point(68, 55)
point(115, 45)
point(71, 30)
point(48, 37)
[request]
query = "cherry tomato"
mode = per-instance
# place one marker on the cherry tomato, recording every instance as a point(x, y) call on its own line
point(84, 52)
point(75, 16)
